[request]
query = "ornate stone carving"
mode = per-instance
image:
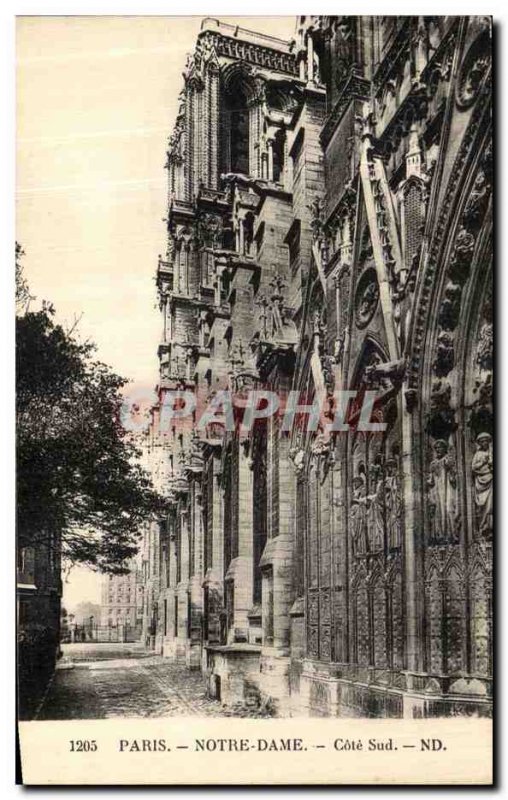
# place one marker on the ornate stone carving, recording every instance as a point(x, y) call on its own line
point(460, 263)
point(473, 71)
point(444, 360)
point(484, 353)
point(366, 298)
point(477, 204)
point(459, 269)
point(252, 53)
point(208, 230)
point(449, 311)
point(297, 456)
point(481, 418)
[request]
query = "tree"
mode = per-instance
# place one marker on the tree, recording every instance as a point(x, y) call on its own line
point(79, 477)
point(23, 296)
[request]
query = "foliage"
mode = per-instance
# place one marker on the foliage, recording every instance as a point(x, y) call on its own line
point(23, 296)
point(79, 476)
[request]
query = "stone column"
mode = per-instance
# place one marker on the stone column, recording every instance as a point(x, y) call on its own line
point(302, 67)
point(270, 159)
point(241, 238)
point(413, 586)
point(169, 645)
point(288, 164)
point(183, 586)
point(193, 659)
point(240, 569)
point(254, 136)
point(310, 59)
point(278, 567)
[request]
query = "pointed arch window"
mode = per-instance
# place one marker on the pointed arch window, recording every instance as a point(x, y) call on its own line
point(237, 130)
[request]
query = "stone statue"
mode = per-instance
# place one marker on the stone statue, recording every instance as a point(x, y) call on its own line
point(483, 476)
point(484, 356)
point(358, 518)
point(393, 503)
point(442, 485)
point(445, 355)
point(375, 510)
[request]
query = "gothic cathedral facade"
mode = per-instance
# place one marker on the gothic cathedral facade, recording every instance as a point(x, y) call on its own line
point(330, 227)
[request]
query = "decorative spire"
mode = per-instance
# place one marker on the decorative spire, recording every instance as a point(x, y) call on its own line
point(414, 154)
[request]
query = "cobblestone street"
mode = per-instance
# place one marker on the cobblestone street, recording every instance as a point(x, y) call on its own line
point(106, 681)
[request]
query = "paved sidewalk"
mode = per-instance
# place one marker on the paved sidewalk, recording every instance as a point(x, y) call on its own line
point(107, 681)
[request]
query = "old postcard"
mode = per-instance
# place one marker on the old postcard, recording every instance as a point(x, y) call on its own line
point(254, 400)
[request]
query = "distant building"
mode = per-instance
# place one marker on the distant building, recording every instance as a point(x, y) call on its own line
point(122, 599)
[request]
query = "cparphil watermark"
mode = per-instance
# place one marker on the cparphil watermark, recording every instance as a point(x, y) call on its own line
point(176, 409)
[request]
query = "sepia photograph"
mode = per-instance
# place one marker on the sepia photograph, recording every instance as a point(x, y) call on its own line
point(254, 372)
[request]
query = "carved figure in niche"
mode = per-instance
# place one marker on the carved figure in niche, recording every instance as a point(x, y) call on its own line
point(464, 243)
point(375, 509)
point(443, 363)
point(358, 517)
point(484, 390)
point(474, 69)
point(450, 307)
point(478, 201)
point(483, 475)
point(460, 264)
point(442, 417)
point(328, 363)
point(442, 485)
point(484, 355)
point(481, 412)
point(393, 503)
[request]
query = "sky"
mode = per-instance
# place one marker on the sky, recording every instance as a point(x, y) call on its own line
point(96, 102)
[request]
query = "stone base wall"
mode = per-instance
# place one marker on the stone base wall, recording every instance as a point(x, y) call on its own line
point(233, 676)
point(324, 695)
point(169, 649)
point(176, 650)
point(274, 682)
point(293, 687)
point(193, 655)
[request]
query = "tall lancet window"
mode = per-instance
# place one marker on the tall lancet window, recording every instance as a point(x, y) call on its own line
point(278, 156)
point(240, 124)
point(238, 113)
